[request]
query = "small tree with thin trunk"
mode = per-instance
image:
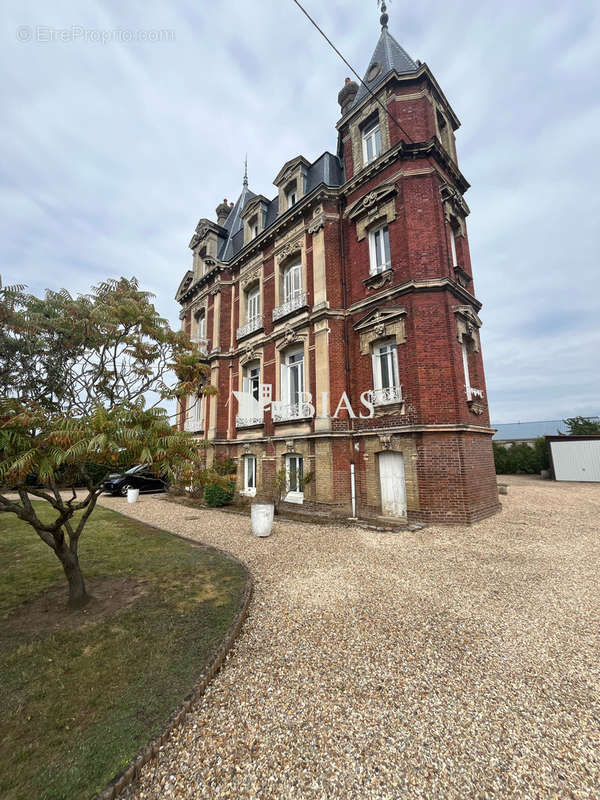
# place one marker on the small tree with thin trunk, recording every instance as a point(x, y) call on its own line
point(75, 377)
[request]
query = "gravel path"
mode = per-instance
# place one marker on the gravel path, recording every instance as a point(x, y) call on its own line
point(444, 663)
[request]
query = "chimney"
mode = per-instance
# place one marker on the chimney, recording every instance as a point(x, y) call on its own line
point(347, 95)
point(223, 210)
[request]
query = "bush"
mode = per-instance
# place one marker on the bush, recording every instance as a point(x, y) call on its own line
point(521, 458)
point(219, 493)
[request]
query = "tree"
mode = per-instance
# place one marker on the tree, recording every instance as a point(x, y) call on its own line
point(583, 426)
point(75, 376)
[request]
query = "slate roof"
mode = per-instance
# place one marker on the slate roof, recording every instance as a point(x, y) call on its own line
point(327, 170)
point(529, 430)
point(392, 57)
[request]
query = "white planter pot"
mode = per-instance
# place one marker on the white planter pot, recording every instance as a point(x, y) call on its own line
point(133, 495)
point(261, 516)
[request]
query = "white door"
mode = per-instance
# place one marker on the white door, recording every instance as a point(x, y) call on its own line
point(393, 484)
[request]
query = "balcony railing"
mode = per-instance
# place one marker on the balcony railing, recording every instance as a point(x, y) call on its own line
point(254, 324)
point(202, 343)
point(248, 422)
point(473, 393)
point(282, 411)
point(381, 397)
point(295, 302)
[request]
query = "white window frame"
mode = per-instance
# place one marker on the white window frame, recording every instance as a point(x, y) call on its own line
point(251, 379)
point(453, 246)
point(292, 281)
point(293, 362)
point(200, 324)
point(371, 142)
point(386, 383)
point(255, 230)
point(465, 356)
point(291, 197)
point(379, 249)
point(253, 304)
point(295, 494)
point(249, 475)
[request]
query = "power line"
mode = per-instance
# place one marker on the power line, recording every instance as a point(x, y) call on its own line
point(351, 68)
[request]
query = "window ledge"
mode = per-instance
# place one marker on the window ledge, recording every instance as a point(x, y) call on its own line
point(294, 497)
point(379, 279)
point(247, 492)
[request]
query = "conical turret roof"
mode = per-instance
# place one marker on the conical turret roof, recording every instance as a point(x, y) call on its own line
point(388, 57)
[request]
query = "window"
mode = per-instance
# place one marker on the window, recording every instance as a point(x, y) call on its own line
point(292, 378)
point(294, 473)
point(250, 475)
point(292, 197)
point(386, 384)
point(371, 138)
point(200, 320)
point(453, 245)
point(379, 250)
point(253, 304)
point(292, 282)
point(251, 380)
point(255, 230)
point(465, 355)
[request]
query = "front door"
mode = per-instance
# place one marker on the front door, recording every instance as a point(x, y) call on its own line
point(393, 484)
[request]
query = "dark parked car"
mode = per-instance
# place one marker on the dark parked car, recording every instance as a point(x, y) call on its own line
point(139, 477)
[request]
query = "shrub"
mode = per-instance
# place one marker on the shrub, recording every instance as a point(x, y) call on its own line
point(521, 458)
point(219, 493)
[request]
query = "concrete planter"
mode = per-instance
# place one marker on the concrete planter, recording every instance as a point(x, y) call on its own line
point(133, 495)
point(261, 516)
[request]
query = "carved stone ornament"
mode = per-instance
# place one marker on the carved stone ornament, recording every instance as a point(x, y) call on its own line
point(250, 277)
point(289, 445)
point(201, 229)
point(371, 201)
point(317, 224)
point(477, 407)
point(467, 325)
point(387, 321)
point(249, 354)
point(385, 440)
point(246, 448)
point(379, 280)
point(290, 248)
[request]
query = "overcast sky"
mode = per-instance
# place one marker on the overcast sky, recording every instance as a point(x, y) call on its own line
point(112, 150)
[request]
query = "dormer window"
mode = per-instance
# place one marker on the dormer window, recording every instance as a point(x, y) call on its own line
point(371, 138)
point(255, 230)
point(379, 250)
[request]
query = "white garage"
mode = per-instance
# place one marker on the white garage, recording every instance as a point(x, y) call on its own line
point(575, 458)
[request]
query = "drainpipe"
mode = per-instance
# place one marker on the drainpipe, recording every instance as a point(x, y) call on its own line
point(353, 488)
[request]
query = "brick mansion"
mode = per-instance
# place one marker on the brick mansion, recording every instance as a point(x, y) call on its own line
point(345, 307)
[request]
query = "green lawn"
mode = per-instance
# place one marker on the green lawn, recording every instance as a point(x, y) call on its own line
point(79, 701)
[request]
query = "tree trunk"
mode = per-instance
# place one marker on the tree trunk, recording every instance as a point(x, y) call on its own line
point(78, 596)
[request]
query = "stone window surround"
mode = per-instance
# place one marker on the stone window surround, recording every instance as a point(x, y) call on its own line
point(254, 214)
point(467, 326)
point(251, 277)
point(374, 209)
point(368, 115)
point(291, 338)
point(296, 176)
point(290, 248)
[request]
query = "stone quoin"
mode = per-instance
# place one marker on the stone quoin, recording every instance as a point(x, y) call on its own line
point(356, 277)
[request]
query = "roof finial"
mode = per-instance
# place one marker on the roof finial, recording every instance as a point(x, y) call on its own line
point(246, 172)
point(383, 19)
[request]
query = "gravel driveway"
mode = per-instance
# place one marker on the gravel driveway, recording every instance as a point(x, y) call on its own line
point(444, 663)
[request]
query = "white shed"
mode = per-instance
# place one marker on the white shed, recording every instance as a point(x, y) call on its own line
point(575, 458)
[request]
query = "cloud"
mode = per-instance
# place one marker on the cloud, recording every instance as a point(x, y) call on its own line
point(113, 151)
